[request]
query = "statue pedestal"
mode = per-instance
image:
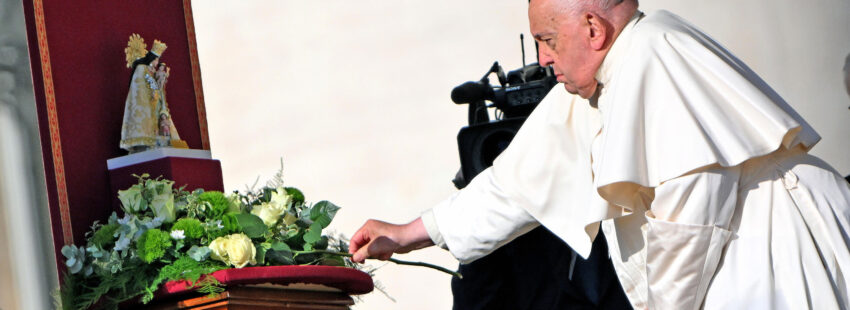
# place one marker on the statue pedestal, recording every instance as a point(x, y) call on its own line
point(192, 168)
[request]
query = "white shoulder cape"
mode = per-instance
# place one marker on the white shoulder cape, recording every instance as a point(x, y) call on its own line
point(673, 100)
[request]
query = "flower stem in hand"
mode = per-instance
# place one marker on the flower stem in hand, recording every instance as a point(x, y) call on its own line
point(397, 261)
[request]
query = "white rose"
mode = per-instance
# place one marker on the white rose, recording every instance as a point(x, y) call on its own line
point(218, 249)
point(236, 249)
point(241, 250)
point(269, 213)
point(280, 199)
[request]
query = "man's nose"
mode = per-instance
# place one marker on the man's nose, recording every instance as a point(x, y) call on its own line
point(545, 60)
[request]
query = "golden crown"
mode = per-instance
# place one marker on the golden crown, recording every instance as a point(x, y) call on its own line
point(158, 48)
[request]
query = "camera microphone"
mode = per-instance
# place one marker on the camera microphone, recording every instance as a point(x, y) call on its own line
point(472, 92)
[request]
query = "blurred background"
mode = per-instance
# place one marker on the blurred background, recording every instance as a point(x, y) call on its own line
point(354, 96)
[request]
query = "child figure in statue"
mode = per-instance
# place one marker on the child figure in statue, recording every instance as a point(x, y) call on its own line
point(162, 73)
point(165, 125)
point(145, 105)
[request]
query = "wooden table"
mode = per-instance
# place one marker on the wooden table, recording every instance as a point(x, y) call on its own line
point(261, 297)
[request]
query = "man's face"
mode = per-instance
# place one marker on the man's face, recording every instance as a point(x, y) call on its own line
point(565, 46)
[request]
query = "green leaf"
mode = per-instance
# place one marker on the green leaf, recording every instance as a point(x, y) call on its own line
point(251, 225)
point(310, 259)
point(297, 195)
point(314, 234)
point(280, 246)
point(199, 253)
point(279, 257)
point(279, 253)
point(322, 244)
point(323, 212)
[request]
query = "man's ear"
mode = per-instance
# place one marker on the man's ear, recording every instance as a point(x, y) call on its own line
point(597, 32)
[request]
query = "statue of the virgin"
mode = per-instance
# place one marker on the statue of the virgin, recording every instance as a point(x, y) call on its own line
point(147, 119)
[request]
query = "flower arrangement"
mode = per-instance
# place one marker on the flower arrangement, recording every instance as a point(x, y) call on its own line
point(170, 234)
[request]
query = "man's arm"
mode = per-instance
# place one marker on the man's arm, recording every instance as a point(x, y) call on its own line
point(471, 223)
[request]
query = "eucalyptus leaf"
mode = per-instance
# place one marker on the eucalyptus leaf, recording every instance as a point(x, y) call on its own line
point(68, 251)
point(304, 221)
point(314, 234)
point(199, 253)
point(251, 225)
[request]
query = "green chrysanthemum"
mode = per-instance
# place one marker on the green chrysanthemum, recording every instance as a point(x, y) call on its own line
point(152, 245)
point(192, 228)
point(229, 225)
point(219, 204)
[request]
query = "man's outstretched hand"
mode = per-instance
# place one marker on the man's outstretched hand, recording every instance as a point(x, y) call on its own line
point(377, 239)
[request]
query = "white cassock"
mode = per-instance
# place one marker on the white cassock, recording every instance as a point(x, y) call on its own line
point(696, 170)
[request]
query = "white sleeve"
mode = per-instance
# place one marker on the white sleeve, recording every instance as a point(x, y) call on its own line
point(686, 232)
point(477, 220)
point(543, 177)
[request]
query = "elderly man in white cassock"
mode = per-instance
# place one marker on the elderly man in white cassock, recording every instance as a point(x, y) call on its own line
point(697, 172)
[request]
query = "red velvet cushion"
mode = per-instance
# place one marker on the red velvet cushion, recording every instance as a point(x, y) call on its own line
point(349, 280)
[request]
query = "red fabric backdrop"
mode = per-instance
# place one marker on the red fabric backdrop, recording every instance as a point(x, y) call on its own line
point(85, 83)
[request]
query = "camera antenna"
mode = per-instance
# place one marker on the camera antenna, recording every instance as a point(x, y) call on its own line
point(522, 46)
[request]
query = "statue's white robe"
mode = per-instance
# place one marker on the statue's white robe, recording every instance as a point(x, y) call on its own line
point(697, 171)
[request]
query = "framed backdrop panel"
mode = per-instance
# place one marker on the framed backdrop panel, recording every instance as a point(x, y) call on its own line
point(81, 82)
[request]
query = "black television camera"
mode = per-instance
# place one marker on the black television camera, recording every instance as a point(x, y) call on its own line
point(514, 98)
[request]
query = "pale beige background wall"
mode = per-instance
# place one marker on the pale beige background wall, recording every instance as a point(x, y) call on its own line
point(354, 95)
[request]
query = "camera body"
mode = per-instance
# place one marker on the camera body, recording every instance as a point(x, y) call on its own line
point(513, 99)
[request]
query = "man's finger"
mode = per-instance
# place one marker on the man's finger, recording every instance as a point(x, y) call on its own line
point(360, 238)
point(360, 255)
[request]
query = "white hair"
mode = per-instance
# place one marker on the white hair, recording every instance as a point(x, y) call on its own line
point(607, 3)
point(577, 5)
